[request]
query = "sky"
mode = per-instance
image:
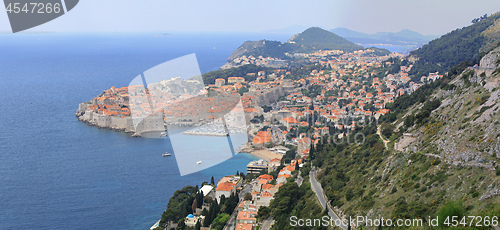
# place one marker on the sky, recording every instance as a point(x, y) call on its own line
point(428, 17)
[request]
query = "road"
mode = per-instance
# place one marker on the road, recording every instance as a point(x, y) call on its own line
point(266, 224)
point(232, 220)
point(246, 189)
point(318, 190)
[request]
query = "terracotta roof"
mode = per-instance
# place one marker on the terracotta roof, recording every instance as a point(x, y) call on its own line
point(242, 226)
point(266, 176)
point(226, 186)
point(290, 120)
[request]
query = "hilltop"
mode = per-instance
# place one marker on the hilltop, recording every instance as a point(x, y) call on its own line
point(309, 41)
point(315, 38)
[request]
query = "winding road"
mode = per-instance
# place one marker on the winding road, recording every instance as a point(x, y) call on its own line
point(318, 190)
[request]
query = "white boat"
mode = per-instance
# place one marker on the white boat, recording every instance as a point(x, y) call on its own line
point(163, 134)
point(199, 162)
point(167, 154)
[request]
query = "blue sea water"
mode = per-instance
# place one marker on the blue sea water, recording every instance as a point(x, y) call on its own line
point(58, 173)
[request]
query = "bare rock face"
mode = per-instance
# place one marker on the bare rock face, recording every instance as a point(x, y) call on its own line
point(491, 60)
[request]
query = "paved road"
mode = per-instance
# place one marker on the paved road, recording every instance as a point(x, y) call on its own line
point(318, 190)
point(266, 224)
point(246, 189)
point(232, 220)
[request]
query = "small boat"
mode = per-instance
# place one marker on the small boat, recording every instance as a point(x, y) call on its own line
point(199, 162)
point(163, 134)
point(167, 154)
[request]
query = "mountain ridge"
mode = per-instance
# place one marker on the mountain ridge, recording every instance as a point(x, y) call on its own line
point(404, 36)
point(304, 42)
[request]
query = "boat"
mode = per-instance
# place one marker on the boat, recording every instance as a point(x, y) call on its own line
point(163, 134)
point(199, 162)
point(167, 154)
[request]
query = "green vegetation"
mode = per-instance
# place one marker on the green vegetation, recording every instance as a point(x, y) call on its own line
point(452, 48)
point(312, 91)
point(289, 156)
point(316, 38)
point(180, 204)
point(242, 90)
point(186, 200)
point(267, 108)
point(265, 48)
point(450, 209)
point(242, 71)
point(292, 200)
point(220, 221)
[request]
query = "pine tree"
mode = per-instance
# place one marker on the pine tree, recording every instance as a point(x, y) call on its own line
point(200, 198)
point(312, 152)
point(189, 203)
point(212, 181)
point(222, 200)
point(215, 212)
point(207, 221)
point(181, 225)
point(197, 226)
point(194, 206)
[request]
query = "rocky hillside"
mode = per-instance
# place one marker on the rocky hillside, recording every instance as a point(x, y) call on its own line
point(446, 149)
point(442, 149)
point(468, 126)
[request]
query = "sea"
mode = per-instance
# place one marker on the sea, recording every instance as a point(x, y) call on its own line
point(59, 173)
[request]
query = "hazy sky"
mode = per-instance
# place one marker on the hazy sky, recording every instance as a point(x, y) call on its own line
point(429, 17)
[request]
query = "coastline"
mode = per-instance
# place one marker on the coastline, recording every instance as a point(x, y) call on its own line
point(261, 154)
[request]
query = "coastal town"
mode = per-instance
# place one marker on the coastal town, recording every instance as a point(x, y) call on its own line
point(290, 116)
point(253, 192)
point(287, 112)
point(298, 107)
